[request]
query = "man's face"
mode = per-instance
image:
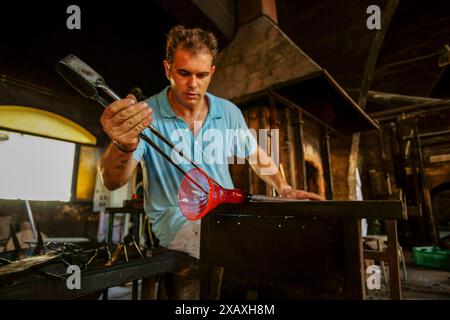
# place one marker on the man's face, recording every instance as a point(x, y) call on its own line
point(189, 75)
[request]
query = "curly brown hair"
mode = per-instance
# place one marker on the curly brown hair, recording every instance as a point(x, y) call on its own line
point(193, 40)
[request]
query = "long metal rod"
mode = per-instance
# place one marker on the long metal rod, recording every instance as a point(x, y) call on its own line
point(115, 96)
point(161, 152)
point(170, 144)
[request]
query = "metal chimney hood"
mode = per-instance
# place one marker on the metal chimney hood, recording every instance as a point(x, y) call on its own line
point(261, 60)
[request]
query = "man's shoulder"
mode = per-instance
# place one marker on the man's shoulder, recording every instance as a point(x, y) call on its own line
point(226, 106)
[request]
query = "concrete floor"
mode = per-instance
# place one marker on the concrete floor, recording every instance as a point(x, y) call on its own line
point(422, 283)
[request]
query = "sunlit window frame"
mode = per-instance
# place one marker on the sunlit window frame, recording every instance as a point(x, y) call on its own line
point(75, 164)
point(23, 120)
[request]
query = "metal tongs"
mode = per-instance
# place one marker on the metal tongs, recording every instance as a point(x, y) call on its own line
point(87, 82)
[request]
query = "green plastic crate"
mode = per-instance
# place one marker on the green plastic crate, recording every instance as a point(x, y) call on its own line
point(432, 257)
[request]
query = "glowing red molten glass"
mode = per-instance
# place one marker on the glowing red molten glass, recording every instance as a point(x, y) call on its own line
point(196, 203)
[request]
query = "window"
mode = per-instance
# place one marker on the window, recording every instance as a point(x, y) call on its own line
point(35, 168)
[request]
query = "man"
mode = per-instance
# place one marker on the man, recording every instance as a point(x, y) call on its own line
point(184, 108)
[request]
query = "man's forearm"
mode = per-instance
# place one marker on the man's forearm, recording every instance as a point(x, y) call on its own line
point(276, 180)
point(116, 167)
point(264, 162)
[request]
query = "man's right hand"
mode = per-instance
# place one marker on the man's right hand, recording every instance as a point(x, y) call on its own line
point(124, 119)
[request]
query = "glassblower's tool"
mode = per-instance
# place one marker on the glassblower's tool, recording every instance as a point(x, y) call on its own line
point(195, 203)
point(87, 81)
point(198, 193)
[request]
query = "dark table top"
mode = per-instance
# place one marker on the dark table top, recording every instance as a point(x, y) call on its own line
point(370, 209)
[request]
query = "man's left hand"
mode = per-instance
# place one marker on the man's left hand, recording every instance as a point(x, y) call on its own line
point(300, 194)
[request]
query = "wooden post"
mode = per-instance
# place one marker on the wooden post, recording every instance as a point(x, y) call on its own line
point(300, 160)
point(425, 193)
point(326, 160)
point(386, 173)
point(134, 290)
point(149, 289)
point(394, 266)
point(275, 123)
point(354, 260)
point(205, 265)
point(284, 149)
point(216, 283)
point(256, 184)
point(76, 165)
point(290, 144)
point(264, 123)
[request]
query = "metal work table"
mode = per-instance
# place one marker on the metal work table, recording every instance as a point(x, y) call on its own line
point(293, 250)
point(99, 278)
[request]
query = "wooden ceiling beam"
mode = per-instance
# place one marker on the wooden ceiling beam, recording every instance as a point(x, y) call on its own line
point(377, 43)
point(396, 100)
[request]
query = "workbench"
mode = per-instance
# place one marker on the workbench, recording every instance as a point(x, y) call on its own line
point(293, 250)
point(96, 279)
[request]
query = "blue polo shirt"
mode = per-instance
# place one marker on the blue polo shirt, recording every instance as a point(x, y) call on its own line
point(224, 134)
